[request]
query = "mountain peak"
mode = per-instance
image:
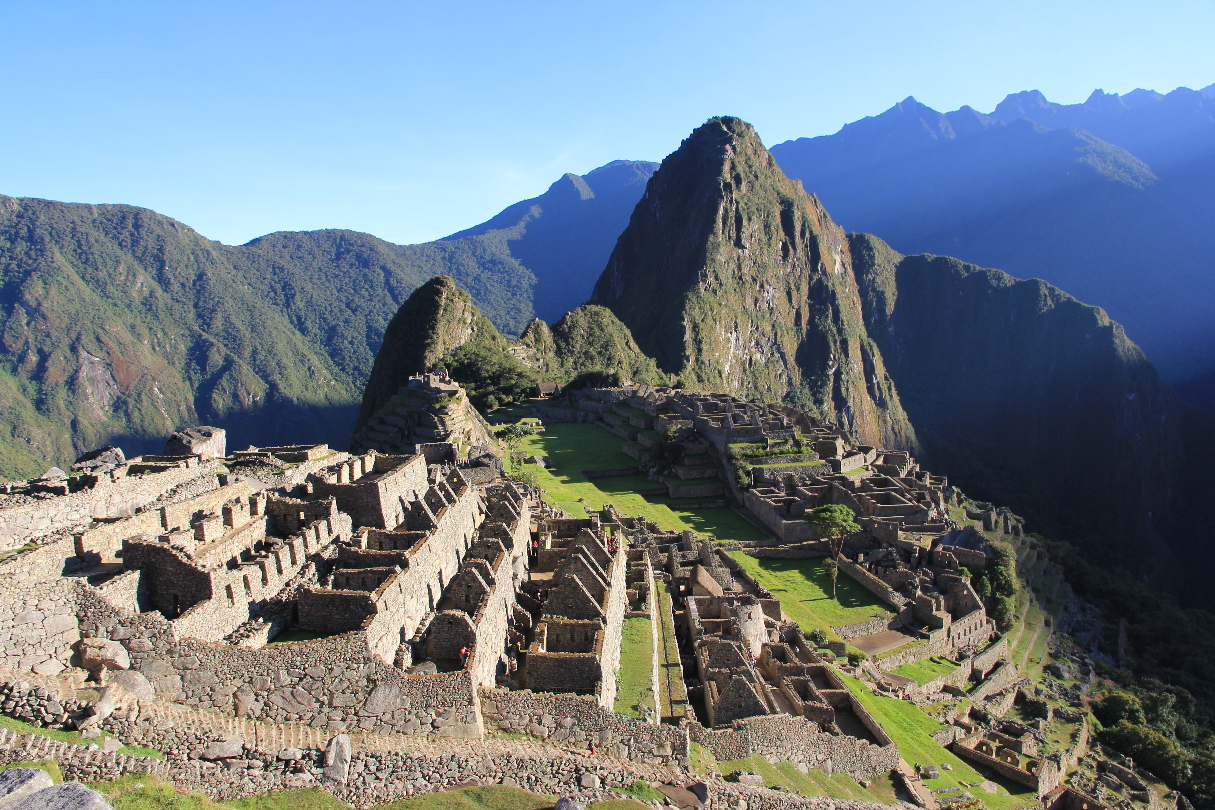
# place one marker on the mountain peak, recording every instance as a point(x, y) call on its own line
point(730, 276)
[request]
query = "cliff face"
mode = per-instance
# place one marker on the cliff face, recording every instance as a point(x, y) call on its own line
point(435, 320)
point(734, 279)
point(1026, 396)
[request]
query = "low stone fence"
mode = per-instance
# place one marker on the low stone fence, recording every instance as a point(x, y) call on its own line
point(872, 584)
point(579, 720)
point(800, 741)
point(608, 473)
point(875, 625)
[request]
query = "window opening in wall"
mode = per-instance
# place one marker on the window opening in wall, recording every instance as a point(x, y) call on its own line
point(231, 595)
point(430, 597)
point(248, 587)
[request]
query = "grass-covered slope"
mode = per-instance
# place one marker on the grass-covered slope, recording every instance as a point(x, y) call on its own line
point(733, 278)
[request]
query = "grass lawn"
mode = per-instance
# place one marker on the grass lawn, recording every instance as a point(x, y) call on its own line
point(804, 592)
point(911, 728)
point(573, 447)
point(924, 671)
point(634, 679)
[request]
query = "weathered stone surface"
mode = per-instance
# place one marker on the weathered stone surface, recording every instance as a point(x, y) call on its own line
point(16, 783)
point(290, 754)
point(211, 442)
point(133, 682)
point(102, 653)
point(337, 758)
point(386, 697)
point(101, 460)
point(566, 803)
point(589, 780)
point(989, 787)
point(68, 796)
point(749, 779)
point(227, 749)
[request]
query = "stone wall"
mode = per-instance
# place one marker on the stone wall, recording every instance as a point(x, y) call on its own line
point(112, 494)
point(877, 625)
point(38, 626)
point(801, 741)
point(872, 584)
point(577, 720)
point(104, 538)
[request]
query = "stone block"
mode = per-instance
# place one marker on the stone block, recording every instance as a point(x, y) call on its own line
point(68, 796)
point(102, 653)
point(227, 749)
point(210, 442)
point(337, 758)
point(17, 783)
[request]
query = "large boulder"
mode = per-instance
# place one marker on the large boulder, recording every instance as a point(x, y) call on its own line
point(337, 758)
point(228, 749)
point(101, 460)
point(68, 796)
point(17, 783)
point(211, 442)
point(103, 653)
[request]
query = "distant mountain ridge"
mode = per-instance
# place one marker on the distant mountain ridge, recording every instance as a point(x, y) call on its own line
point(1113, 200)
point(565, 235)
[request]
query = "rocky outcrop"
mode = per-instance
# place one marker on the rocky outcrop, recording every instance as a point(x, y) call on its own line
point(589, 338)
point(437, 318)
point(204, 440)
point(735, 279)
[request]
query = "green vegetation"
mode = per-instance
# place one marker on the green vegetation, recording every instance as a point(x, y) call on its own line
point(591, 345)
point(634, 679)
point(149, 792)
point(804, 590)
point(998, 584)
point(302, 799)
point(177, 335)
point(927, 670)
point(72, 737)
point(573, 447)
point(644, 791)
point(911, 730)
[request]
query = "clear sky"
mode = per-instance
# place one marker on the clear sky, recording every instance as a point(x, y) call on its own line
point(413, 120)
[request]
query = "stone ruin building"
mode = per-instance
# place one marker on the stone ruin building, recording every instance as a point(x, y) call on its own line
point(409, 594)
point(430, 410)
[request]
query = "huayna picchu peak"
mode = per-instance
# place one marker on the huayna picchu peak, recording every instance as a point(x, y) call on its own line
point(733, 278)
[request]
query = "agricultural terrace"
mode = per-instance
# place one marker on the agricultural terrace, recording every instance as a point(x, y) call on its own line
point(927, 670)
point(804, 591)
point(912, 729)
point(572, 448)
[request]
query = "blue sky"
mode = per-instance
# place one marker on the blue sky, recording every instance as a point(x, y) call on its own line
point(413, 120)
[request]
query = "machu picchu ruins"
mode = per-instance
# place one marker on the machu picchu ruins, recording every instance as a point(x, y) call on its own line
point(254, 613)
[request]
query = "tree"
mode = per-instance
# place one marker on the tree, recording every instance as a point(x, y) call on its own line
point(833, 573)
point(1118, 706)
point(510, 436)
point(833, 521)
